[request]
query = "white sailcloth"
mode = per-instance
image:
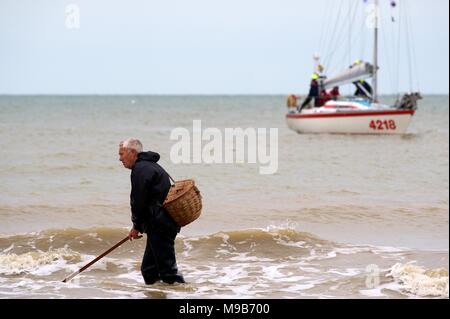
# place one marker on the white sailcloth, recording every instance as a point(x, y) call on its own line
point(358, 72)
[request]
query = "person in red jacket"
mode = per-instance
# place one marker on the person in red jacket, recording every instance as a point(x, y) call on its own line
point(334, 93)
point(324, 97)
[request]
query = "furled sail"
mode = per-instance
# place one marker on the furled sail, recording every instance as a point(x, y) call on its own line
point(358, 72)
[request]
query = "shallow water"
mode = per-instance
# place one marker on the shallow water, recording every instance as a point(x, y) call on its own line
point(337, 204)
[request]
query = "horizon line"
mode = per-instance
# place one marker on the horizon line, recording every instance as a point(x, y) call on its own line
point(181, 94)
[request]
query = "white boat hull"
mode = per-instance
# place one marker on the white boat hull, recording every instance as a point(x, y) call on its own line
point(352, 122)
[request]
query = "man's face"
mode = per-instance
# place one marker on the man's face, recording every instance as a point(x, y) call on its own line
point(127, 156)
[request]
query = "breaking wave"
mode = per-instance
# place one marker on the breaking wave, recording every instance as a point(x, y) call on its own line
point(37, 263)
point(420, 281)
point(275, 262)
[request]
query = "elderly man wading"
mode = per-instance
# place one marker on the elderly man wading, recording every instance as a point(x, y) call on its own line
point(149, 187)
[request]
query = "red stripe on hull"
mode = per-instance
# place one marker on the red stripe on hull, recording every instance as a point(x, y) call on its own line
point(352, 114)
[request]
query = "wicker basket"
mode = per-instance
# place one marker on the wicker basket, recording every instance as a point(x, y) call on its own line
point(184, 202)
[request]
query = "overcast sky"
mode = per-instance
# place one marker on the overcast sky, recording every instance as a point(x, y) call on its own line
point(213, 46)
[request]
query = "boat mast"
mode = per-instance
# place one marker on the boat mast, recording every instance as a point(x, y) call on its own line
point(375, 56)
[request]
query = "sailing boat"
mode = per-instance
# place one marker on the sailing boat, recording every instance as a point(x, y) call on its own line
point(362, 114)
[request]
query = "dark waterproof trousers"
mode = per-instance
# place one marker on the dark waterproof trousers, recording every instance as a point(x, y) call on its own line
point(159, 260)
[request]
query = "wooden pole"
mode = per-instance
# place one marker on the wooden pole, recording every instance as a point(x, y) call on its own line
point(95, 260)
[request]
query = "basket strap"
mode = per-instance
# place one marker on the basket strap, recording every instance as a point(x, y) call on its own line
point(170, 177)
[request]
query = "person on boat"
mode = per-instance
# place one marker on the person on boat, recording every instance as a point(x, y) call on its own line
point(313, 91)
point(320, 72)
point(334, 93)
point(363, 89)
point(292, 103)
point(356, 62)
point(150, 185)
point(323, 98)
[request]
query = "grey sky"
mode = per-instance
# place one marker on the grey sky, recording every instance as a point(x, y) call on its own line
point(208, 46)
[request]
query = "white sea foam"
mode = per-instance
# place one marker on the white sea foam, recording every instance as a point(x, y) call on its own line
point(133, 275)
point(36, 263)
point(290, 278)
point(272, 272)
point(244, 257)
point(281, 226)
point(8, 249)
point(230, 274)
point(187, 248)
point(351, 250)
point(349, 272)
point(420, 281)
point(378, 291)
point(375, 292)
point(295, 288)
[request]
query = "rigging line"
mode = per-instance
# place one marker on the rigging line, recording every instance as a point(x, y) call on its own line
point(415, 63)
point(330, 35)
point(349, 35)
point(325, 26)
point(338, 30)
point(408, 50)
point(387, 55)
point(341, 41)
point(399, 41)
point(328, 32)
point(394, 39)
point(388, 47)
point(341, 59)
point(363, 41)
point(342, 56)
point(321, 34)
point(353, 23)
point(355, 11)
point(325, 60)
point(414, 69)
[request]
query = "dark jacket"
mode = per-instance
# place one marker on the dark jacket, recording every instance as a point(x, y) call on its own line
point(359, 89)
point(150, 185)
point(314, 89)
point(313, 94)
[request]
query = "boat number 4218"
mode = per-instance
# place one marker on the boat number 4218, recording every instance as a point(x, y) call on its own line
point(380, 125)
